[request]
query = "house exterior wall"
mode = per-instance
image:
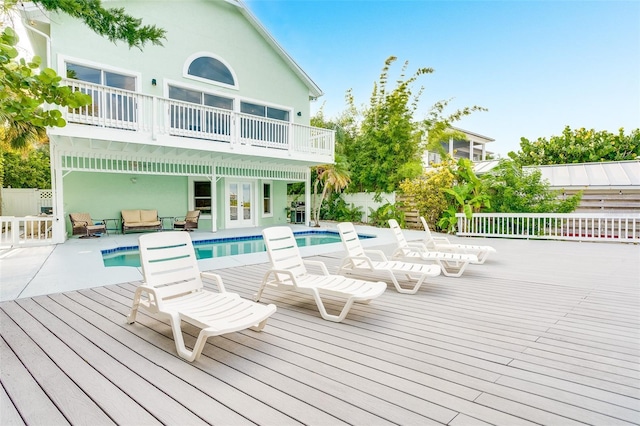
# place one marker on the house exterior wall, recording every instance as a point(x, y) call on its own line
point(87, 154)
point(261, 73)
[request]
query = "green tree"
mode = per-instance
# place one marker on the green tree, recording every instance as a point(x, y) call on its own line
point(30, 170)
point(437, 125)
point(427, 191)
point(329, 178)
point(579, 146)
point(111, 23)
point(466, 196)
point(516, 190)
point(388, 141)
point(386, 149)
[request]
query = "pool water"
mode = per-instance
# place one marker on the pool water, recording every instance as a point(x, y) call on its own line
point(207, 249)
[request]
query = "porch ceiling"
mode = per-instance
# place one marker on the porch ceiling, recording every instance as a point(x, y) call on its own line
point(137, 150)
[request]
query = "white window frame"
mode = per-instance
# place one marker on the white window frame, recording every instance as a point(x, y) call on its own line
point(265, 104)
point(182, 85)
point(192, 195)
point(62, 67)
point(262, 198)
point(193, 57)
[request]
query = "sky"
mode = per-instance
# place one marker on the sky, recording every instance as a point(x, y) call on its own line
point(537, 65)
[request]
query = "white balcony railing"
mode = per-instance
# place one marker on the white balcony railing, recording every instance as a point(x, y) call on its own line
point(622, 227)
point(131, 111)
point(25, 231)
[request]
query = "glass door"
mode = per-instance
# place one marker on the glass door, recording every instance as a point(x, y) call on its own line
point(240, 204)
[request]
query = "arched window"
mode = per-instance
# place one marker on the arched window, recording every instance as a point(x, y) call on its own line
point(211, 69)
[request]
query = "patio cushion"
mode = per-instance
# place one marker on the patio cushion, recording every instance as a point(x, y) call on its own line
point(148, 215)
point(80, 219)
point(131, 216)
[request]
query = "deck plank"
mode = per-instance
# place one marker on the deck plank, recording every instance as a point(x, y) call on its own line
point(531, 337)
point(22, 390)
point(9, 415)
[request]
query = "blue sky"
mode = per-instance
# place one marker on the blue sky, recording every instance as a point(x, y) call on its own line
point(536, 65)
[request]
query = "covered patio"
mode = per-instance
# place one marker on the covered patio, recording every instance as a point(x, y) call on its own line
point(546, 332)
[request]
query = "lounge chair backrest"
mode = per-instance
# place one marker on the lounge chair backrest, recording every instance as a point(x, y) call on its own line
point(397, 232)
point(350, 240)
point(429, 238)
point(283, 251)
point(169, 265)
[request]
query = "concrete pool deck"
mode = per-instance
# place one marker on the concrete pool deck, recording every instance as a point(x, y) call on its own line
point(77, 264)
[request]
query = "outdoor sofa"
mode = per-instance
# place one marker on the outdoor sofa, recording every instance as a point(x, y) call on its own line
point(140, 220)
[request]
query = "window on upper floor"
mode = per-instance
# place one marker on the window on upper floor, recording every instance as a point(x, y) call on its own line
point(264, 111)
point(212, 69)
point(203, 120)
point(100, 76)
point(118, 107)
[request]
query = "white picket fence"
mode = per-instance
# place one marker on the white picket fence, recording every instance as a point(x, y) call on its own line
point(623, 227)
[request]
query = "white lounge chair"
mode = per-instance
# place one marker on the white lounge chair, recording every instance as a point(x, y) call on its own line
point(443, 244)
point(173, 288)
point(288, 273)
point(359, 263)
point(452, 264)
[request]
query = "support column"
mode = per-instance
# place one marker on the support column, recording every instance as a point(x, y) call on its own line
point(214, 200)
point(59, 228)
point(307, 198)
point(451, 147)
point(471, 148)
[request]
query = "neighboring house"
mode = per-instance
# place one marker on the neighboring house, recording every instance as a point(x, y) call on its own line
point(609, 187)
point(606, 186)
point(216, 119)
point(473, 147)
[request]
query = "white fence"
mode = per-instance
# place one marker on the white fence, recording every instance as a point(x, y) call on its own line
point(25, 231)
point(26, 201)
point(622, 227)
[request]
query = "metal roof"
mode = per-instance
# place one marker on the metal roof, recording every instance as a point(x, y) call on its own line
point(609, 175)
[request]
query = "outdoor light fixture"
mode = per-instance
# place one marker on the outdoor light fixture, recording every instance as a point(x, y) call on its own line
point(153, 82)
point(299, 113)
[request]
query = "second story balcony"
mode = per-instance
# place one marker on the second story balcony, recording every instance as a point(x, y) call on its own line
point(135, 118)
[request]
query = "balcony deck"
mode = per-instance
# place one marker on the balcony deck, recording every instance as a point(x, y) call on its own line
point(118, 118)
point(546, 332)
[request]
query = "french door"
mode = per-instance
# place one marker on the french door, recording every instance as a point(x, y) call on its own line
point(240, 209)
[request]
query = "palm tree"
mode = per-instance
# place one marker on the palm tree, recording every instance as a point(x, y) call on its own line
point(332, 177)
point(17, 136)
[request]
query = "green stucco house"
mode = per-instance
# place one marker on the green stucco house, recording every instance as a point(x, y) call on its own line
point(217, 119)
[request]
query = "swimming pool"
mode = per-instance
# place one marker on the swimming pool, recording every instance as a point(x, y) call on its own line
point(207, 249)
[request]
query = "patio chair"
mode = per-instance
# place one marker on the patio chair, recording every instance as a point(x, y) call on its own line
point(358, 262)
point(82, 224)
point(443, 244)
point(289, 273)
point(173, 288)
point(452, 264)
point(188, 222)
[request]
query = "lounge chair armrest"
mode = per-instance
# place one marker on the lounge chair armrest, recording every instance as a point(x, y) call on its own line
point(281, 271)
point(210, 276)
point(150, 292)
point(441, 240)
point(378, 253)
point(318, 264)
point(365, 259)
point(417, 245)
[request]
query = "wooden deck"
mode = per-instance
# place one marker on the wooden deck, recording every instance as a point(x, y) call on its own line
point(546, 332)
